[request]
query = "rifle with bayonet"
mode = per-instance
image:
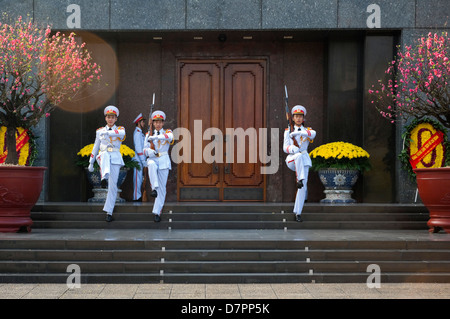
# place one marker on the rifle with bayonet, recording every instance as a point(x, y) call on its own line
point(152, 146)
point(289, 116)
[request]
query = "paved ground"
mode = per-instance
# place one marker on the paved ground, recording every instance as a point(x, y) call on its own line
point(226, 291)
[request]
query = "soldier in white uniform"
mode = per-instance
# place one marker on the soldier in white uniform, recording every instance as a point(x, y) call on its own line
point(298, 159)
point(156, 149)
point(138, 139)
point(106, 152)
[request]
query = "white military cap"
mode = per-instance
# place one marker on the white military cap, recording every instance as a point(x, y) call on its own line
point(158, 115)
point(111, 109)
point(138, 118)
point(299, 109)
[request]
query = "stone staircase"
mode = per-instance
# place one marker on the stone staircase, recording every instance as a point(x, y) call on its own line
point(226, 243)
point(223, 261)
point(232, 216)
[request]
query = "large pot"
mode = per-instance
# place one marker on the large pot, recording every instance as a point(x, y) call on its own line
point(20, 188)
point(101, 191)
point(434, 190)
point(338, 185)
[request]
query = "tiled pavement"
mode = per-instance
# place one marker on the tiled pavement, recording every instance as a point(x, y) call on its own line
point(226, 291)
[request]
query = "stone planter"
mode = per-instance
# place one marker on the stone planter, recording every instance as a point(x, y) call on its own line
point(100, 192)
point(20, 188)
point(338, 185)
point(434, 190)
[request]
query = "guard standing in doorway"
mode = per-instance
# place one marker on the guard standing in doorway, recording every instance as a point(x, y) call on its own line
point(138, 139)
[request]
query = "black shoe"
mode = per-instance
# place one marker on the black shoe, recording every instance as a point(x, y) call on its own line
point(154, 193)
point(298, 218)
point(300, 183)
point(109, 218)
point(157, 218)
point(137, 200)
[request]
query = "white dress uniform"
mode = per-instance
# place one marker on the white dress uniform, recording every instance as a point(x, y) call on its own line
point(158, 161)
point(138, 139)
point(106, 152)
point(298, 159)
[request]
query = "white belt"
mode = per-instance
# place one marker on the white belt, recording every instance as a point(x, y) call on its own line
point(109, 148)
point(162, 154)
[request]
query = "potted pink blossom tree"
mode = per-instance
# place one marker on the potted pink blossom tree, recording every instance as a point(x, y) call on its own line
point(38, 71)
point(418, 88)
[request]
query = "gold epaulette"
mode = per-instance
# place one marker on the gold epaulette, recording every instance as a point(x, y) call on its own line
point(170, 131)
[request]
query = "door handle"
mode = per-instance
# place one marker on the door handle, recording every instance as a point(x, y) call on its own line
point(215, 168)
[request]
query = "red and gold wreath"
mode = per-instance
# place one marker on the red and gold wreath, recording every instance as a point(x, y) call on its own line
point(426, 149)
point(22, 145)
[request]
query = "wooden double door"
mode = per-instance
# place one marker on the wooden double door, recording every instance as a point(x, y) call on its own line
point(222, 105)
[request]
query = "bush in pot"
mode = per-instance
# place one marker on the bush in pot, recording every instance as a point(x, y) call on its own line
point(417, 88)
point(38, 71)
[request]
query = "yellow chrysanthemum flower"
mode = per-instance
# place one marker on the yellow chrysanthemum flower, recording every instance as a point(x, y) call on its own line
point(340, 155)
point(24, 152)
point(423, 132)
point(87, 150)
point(126, 152)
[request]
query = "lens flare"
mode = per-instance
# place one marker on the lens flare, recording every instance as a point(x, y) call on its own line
point(97, 95)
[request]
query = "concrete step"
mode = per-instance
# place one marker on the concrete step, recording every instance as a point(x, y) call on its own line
point(226, 243)
point(206, 255)
point(232, 216)
point(223, 261)
point(213, 267)
point(139, 278)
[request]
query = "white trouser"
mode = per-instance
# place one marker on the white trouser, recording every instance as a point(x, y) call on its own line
point(104, 161)
point(301, 193)
point(112, 188)
point(158, 180)
point(137, 183)
point(295, 163)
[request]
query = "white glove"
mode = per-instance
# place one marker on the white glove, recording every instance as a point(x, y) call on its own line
point(292, 134)
point(161, 137)
point(293, 149)
point(151, 152)
point(91, 167)
point(103, 135)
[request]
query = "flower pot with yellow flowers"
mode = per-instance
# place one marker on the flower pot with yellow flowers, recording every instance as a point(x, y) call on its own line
point(416, 88)
point(339, 165)
point(38, 72)
point(100, 190)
